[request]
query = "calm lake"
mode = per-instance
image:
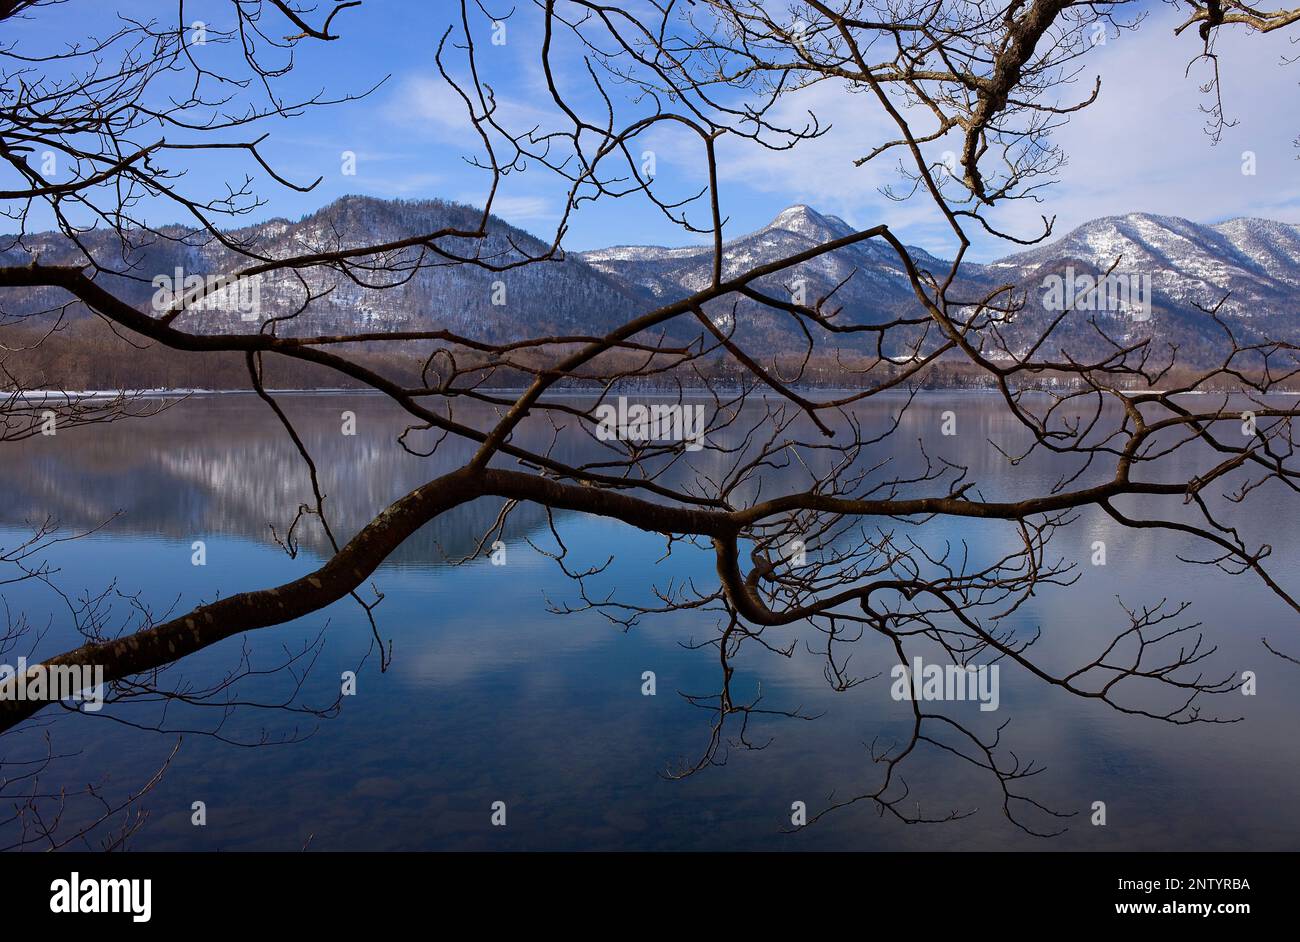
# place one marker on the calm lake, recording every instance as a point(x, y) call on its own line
point(491, 697)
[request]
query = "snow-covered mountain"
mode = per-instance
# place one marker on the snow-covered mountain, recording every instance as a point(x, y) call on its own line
point(1248, 268)
point(872, 269)
point(1188, 261)
point(562, 296)
point(1253, 263)
point(866, 281)
point(670, 272)
point(1174, 267)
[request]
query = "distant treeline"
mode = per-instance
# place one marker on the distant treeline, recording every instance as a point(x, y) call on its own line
point(87, 354)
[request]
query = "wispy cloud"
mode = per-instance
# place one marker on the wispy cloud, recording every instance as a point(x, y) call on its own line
point(1141, 147)
point(519, 210)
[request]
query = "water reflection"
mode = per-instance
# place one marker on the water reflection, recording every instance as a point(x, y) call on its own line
point(490, 698)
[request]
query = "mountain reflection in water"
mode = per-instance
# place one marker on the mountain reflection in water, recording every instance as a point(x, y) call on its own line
point(490, 697)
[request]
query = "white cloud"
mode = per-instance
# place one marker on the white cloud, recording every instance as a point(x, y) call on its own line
point(517, 210)
point(405, 184)
point(1140, 148)
point(428, 105)
point(421, 103)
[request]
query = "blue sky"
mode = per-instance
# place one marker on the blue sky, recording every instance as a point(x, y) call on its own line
point(1141, 147)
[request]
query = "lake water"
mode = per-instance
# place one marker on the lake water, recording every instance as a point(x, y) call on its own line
point(492, 698)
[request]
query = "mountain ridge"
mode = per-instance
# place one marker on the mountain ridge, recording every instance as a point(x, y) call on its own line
point(1248, 266)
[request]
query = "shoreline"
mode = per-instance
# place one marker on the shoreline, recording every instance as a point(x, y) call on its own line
point(106, 395)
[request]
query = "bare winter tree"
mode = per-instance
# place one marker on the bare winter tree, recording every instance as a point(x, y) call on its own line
point(1208, 19)
point(988, 82)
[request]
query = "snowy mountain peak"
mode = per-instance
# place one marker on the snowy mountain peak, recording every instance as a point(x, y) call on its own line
point(1246, 228)
point(806, 221)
